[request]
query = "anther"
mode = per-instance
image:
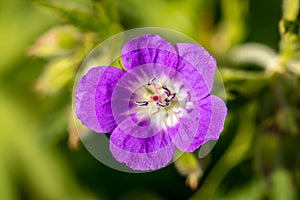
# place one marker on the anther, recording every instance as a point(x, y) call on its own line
point(167, 91)
point(170, 97)
point(165, 104)
point(141, 103)
point(151, 81)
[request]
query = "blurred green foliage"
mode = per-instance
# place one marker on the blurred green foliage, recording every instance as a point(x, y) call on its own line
point(256, 44)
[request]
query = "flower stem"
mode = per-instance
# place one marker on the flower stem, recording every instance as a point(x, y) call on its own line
point(289, 27)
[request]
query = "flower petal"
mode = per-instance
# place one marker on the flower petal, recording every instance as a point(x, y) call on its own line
point(142, 153)
point(147, 49)
point(212, 111)
point(200, 59)
point(189, 124)
point(132, 87)
point(93, 98)
point(219, 113)
point(196, 80)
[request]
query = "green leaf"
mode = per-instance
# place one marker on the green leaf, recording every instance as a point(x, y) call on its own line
point(90, 17)
point(58, 74)
point(59, 41)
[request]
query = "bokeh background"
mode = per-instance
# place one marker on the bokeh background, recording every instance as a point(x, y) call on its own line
point(257, 47)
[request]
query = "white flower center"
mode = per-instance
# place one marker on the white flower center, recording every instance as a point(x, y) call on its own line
point(163, 101)
point(161, 96)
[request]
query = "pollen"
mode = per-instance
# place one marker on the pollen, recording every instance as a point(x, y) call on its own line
point(159, 86)
point(147, 97)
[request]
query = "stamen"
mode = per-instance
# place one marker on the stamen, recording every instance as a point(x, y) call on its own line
point(167, 91)
point(151, 81)
point(155, 88)
point(170, 97)
point(165, 104)
point(141, 103)
point(159, 97)
point(157, 110)
point(162, 96)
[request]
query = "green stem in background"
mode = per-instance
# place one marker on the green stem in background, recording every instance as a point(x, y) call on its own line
point(253, 53)
point(234, 155)
point(290, 9)
point(44, 173)
point(232, 27)
point(7, 190)
point(289, 27)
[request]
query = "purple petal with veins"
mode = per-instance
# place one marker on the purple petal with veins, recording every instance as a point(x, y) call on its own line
point(162, 102)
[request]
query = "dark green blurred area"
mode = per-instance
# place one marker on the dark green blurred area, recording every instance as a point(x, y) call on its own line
point(257, 156)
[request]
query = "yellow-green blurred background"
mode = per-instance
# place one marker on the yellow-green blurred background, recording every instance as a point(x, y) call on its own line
point(256, 44)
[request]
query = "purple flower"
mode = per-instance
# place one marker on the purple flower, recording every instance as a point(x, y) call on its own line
point(161, 102)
